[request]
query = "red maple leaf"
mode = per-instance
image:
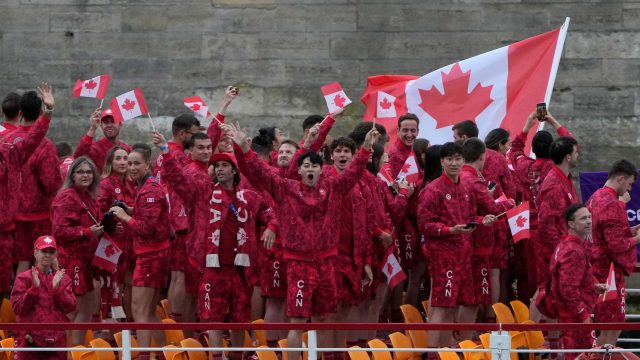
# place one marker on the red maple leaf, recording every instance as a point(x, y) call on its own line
point(90, 84)
point(339, 100)
point(109, 250)
point(456, 104)
point(521, 221)
point(195, 107)
point(405, 168)
point(128, 104)
point(389, 268)
point(385, 104)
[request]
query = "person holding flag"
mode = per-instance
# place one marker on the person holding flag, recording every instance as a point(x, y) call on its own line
point(402, 148)
point(74, 219)
point(97, 151)
point(614, 242)
point(573, 286)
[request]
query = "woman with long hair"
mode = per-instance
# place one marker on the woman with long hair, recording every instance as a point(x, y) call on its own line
point(149, 226)
point(117, 189)
point(74, 218)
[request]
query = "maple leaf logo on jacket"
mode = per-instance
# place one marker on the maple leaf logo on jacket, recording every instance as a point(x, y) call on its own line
point(128, 104)
point(385, 104)
point(521, 221)
point(90, 84)
point(456, 104)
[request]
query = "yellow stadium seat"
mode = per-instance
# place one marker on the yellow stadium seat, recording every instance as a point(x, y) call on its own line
point(266, 354)
point(193, 354)
point(80, 349)
point(88, 336)
point(166, 306)
point(425, 306)
point(6, 312)
point(89, 355)
point(400, 340)
point(448, 355)
point(3, 334)
point(503, 314)
point(535, 338)
point(468, 344)
point(161, 313)
point(261, 335)
point(520, 311)
point(172, 352)
point(8, 343)
point(379, 355)
point(358, 354)
point(102, 355)
point(282, 343)
point(134, 343)
point(173, 336)
point(411, 314)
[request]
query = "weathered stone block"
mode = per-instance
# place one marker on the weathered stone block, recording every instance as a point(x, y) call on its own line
point(24, 19)
point(607, 44)
point(294, 45)
point(85, 21)
point(358, 45)
point(603, 101)
point(230, 46)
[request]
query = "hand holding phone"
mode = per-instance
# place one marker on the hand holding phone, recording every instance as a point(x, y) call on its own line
point(541, 111)
point(471, 225)
point(491, 185)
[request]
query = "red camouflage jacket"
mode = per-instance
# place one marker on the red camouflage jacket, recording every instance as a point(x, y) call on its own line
point(177, 210)
point(71, 224)
point(149, 223)
point(398, 154)
point(111, 189)
point(97, 151)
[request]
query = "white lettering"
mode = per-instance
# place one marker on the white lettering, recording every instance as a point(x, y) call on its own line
point(298, 302)
point(448, 284)
point(207, 305)
point(485, 290)
point(215, 216)
point(216, 197)
point(299, 294)
point(276, 265)
point(300, 284)
point(240, 196)
point(243, 215)
point(207, 287)
point(449, 274)
point(447, 292)
point(276, 283)
point(484, 272)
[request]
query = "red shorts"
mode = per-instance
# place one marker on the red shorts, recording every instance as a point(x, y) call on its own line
point(311, 288)
point(450, 279)
point(409, 249)
point(6, 265)
point(348, 276)
point(576, 339)
point(613, 310)
point(191, 279)
point(273, 275)
point(151, 269)
point(178, 252)
point(81, 273)
point(499, 257)
point(224, 290)
point(26, 234)
point(480, 265)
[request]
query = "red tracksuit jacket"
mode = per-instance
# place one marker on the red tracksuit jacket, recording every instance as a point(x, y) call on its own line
point(572, 282)
point(110, 190)
point(177, 210)
point(97, 151)
point(150, 221)
point(308, 227)
point(71, 224)
point(612, 238)
point(398, 154)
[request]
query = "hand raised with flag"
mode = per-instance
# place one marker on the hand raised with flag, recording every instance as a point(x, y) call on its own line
point(338, 112)
point(312, 136)
point(488, 220)
point(600, 288)
point(45, 91)
point(95, 122)
point(158, 139)
point(229, 95)
point(372, 137)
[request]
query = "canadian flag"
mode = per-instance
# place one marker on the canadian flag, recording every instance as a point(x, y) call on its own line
point(385, 174)
point(518, 218)
point(392, 269)
point(335, 97)
point(384, 101)
point(107, 255)
point(94, 88)
point(502, 198)
point(611, 291)
point(129, 105)
point(409, 170)
point(198, 106)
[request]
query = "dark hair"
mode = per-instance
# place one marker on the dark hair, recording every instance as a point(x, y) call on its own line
point(450, 149)
point(540, 144)
point(408, 116)
point(359, 133)
point(622, 167)
point(289, 142)
point(63, 148)
point(31, 105)
point(142, 149)
point(432, 166)
point(310, 121)
point(262, 144)
point(183, 122)
point(314, 157)
point(374, 165)
point(472, 149)
point(466, 127)
point(343, 141)
point(570, 212)
point(420, 147)
point(197, 136)
point(560, 148)
point(495, 138)
point(269, 132)
point(11, 105)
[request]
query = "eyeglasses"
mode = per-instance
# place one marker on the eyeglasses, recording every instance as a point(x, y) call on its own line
point(48, 251)
point(83, 172)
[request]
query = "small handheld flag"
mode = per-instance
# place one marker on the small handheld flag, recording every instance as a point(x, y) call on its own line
point(335, 97)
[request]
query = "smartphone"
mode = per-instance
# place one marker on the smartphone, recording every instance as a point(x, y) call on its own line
point(235, 90)
point(541, 111)
point(491, 185)
point(471, 225)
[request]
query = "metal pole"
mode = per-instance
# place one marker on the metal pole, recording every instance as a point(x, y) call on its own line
point(126, 344)
point(313, 344)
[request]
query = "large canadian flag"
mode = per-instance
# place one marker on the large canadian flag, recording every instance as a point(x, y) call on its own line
point(409, 170)
point(518, 218)
point(611, 291)
point(392, 269)
point(94, 88)
point(198, 105)
point(129, 105)
point(384, 100)
point(107, 255)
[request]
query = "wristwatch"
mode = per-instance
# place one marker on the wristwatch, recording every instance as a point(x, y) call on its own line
point(48, 110)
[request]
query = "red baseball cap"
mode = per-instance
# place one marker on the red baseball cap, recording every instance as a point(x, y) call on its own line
point(45, 242)
point(108, 113)
point(228, 157)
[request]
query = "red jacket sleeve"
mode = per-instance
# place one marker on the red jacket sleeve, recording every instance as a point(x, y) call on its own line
point(346, 180)
point(64, 297)
point(148, 212)
point(34, 137)
point(570, 272)
point(214, 131)
point(562, 131)
point(266, 215)
point(65, 212)
point(24, 295)
point(49, 176)
point(616, 229)
point(428, 220)
point(258, 172)
point(85, 148)
point(325, 127)
point(178, 181)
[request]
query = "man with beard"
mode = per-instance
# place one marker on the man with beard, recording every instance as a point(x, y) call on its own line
point(97, 151)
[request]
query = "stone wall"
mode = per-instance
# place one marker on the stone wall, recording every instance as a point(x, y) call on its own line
point(281, 51)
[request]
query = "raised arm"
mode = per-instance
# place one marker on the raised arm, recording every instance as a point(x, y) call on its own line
point(345, 181)
point(26, 147)
point(214, 130)
point(85, 147)
point(174, 174)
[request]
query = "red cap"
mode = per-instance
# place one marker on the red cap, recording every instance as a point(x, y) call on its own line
point(45, 242)
point(107, 113)
point(228, 157)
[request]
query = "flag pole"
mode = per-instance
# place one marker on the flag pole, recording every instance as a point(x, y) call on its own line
point(497, 216)
point(153, 127)
point(101, 101)
point(374, 122)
